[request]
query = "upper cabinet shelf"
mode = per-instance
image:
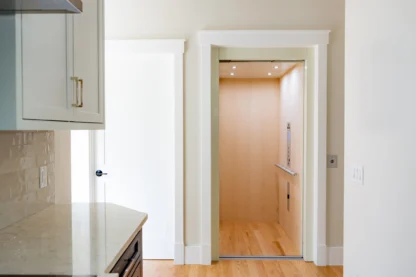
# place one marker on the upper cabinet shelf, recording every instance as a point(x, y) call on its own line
point(52, 70)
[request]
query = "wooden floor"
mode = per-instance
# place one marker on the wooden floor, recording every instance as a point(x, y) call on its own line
point(240, 238)
point(241, 268)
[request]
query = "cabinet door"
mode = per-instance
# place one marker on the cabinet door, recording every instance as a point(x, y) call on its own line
point(46, 67)
point(89, 61)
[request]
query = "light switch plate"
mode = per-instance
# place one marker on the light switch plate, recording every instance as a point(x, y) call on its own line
point(358, 174)
point(332, 161)
point(43, 177)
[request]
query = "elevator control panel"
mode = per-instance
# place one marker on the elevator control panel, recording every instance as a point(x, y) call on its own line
point(289, 142)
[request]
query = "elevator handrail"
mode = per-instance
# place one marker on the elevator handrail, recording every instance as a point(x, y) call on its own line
point(287, 170)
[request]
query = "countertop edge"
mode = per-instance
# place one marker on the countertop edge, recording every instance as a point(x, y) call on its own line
point(125, 246)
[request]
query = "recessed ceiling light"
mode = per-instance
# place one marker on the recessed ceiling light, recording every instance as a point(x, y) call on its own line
point(270, 74)
point(276, 67)
point(234, 67)
point(232, 73)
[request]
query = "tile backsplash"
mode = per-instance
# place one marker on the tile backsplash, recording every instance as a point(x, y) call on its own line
point(21, 156)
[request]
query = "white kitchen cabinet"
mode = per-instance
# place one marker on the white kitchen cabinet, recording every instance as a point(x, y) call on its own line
point(52, 76)
point(89, 60)
point(46, 67)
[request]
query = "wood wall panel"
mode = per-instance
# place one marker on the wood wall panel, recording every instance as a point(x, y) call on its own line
point(291, 110)
point(249, 146)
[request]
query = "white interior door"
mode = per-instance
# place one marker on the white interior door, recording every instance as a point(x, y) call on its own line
point(137, 148)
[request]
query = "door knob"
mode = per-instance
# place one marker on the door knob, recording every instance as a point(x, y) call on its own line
point(100, 173)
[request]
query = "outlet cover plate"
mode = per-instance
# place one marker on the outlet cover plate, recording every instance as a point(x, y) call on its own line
point(332, 161)
point(358, 174)
point(43, 174)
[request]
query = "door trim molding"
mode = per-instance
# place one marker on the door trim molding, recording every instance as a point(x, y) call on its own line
point(93, 165)
point(315, 39)
point(176, 47)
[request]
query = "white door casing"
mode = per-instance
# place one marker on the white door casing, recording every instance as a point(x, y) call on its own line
point(142, 147)
point(315, 39)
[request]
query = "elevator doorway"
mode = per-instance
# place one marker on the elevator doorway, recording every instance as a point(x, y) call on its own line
point(261, 141)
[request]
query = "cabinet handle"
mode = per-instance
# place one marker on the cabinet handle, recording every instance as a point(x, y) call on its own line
point(76, 91)
point(81, 82)
point(78, 83)
point(130, 267)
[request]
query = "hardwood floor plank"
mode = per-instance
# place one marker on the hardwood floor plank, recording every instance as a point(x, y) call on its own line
point(242, 238)
point(272, 269)
point(280, 248)
point(289, 269)
point(239, 239)
point(268, 247)
point(285, 241)
point(254, 248)
point(241, 268)
point(257, 269)
point(339, 270)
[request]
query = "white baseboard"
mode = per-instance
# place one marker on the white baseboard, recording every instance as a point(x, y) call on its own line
point(193, 254)
point(179, 254)
point(321, 256)
point(206, 257)
point(335, 255)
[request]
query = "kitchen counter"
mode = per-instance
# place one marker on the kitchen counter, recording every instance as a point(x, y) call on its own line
point(74, 239)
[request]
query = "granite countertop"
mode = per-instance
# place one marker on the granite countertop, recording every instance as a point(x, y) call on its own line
point(74, 239)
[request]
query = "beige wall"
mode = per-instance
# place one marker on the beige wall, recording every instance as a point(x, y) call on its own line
point(132, 19)
point(249, 146)
point(380, 135)
point(291, 111)
point(21, 156)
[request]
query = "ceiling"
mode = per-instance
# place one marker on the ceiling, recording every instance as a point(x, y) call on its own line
point(255, 69)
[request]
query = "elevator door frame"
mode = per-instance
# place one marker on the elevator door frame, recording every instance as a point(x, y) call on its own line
point(314, 222)
point(287, 169)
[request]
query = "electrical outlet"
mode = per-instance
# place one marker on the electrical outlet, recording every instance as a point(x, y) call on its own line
point(332, 161)
point(43, 177)
point(358, 174)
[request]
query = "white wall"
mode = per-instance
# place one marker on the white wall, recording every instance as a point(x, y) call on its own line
point(380, 132)
point(80, 166)
point(62, 167)
point(132, 19)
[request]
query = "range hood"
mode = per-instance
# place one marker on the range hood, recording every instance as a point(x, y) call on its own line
point(40, 6)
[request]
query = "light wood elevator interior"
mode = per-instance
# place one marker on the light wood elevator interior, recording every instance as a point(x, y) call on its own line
point(261, 130)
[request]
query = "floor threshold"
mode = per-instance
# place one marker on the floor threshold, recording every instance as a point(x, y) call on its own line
point(281, 258)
